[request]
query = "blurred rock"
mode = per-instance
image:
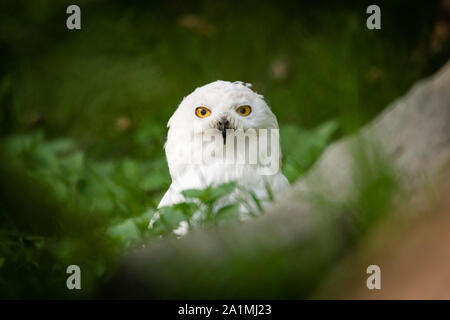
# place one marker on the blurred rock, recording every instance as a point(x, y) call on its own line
point(34, 118)
point(414, 259)
point(440, 35)
point(123, 123)
point(375, 74)
point(441, 29)
point(195, 23)
point(279, 69)
point(265, 257)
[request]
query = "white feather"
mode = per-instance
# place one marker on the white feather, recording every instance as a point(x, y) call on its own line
point(222, 98)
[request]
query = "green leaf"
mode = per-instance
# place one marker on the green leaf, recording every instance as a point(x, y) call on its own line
point(257, 201)
point(227, 212)
point(301, 148)
point(222, 190)
point(171, 217)
point(187, 208)
point(194, 193)
point(125, 231)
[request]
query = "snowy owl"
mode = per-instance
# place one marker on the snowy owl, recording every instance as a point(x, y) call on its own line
point(222, 132)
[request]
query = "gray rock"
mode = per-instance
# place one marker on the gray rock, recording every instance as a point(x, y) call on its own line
point(264, 258)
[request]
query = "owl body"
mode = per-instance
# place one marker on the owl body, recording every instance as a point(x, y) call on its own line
point(212, 128)
point(247, 178)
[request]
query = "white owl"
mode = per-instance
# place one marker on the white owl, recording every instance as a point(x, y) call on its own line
point(230, 110)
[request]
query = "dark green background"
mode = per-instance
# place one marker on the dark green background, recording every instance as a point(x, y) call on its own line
point(83, 113)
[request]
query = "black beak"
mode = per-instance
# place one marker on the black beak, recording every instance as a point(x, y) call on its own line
point(223, 126)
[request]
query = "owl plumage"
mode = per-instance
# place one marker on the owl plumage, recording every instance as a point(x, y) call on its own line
point(222, 107)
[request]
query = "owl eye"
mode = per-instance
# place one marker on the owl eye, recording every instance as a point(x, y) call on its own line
point(244, 110)
point(202, 112)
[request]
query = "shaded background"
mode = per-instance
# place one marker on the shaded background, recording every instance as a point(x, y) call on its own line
point(84, 112)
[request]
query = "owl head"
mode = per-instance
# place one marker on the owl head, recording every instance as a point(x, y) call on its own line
point(221, 107)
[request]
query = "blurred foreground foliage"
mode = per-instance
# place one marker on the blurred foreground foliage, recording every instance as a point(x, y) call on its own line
point(65, 207)
point(83, 114)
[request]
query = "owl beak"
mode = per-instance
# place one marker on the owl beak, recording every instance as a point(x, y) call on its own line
point(223, 126)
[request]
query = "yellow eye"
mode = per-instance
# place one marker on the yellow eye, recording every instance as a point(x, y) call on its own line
point(202, 112)
point(244, 110)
